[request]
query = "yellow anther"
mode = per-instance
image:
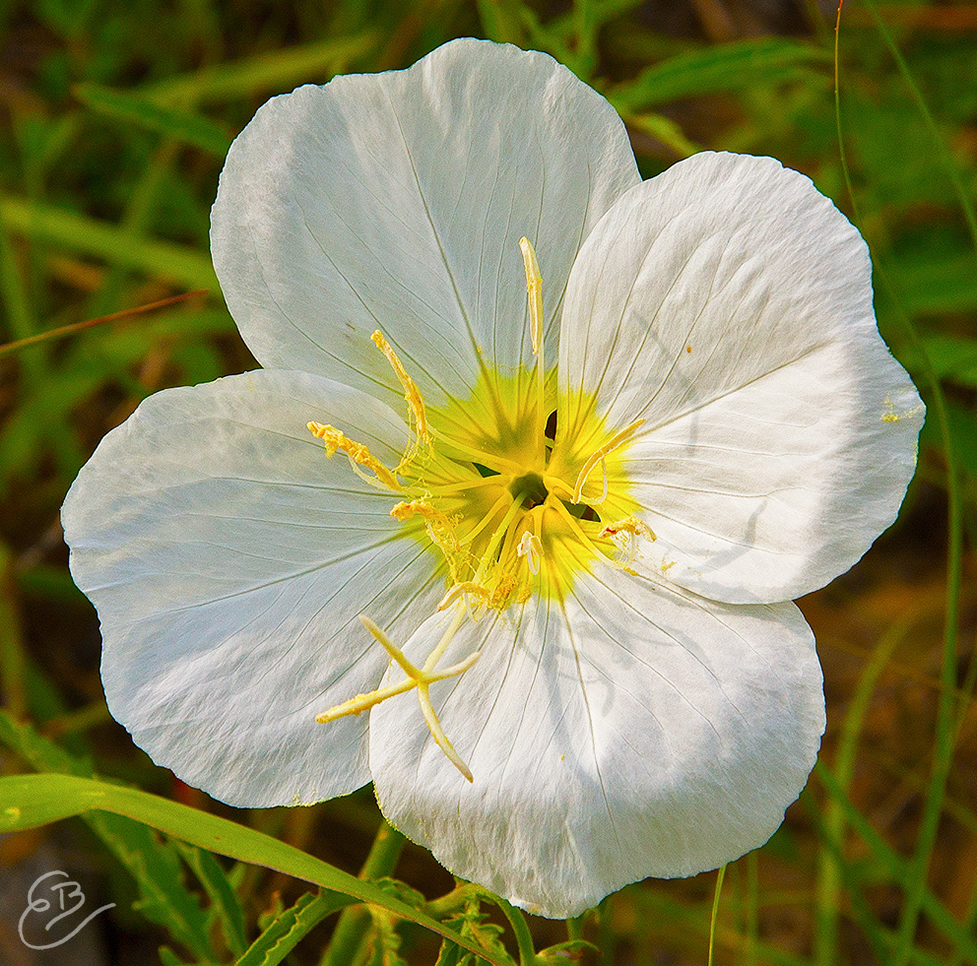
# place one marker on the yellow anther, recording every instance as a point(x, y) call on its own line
point(629, 529)
point(404, 511)
point(631, 525)
point(357, 453)
point(598, 456)
point(411, 393)
point(534, 286)
point(419, 678)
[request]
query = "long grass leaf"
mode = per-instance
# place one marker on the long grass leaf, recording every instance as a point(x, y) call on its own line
point(136, 108)
point(727, 67)
point(895, 868)
point(183, 266)
point(279, 70)
point(39, 799)
point(153, 865)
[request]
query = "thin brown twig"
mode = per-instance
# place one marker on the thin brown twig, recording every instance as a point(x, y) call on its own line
point(101, 320)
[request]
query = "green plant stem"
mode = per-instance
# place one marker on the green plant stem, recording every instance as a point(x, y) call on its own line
point(452, 902)
point(524, 939)
point(715, 911)
point(354, 922)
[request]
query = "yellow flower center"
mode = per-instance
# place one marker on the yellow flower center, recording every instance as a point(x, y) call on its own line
point(516, 489)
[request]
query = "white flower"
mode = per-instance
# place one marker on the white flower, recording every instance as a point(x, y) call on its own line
point(589, 574)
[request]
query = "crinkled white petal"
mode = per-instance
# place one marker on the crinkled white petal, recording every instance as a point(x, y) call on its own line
point(639, 731)
point(397, 201)
point(228, 559)
point(728, 304)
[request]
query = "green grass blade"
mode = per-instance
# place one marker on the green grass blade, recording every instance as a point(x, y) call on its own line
point(915, 881)
point(32, 800)
point(715, 912)
point(949, 165)
point(890, 865)
point(154, 865)
point(711, 70)
point(134, 107)
point(943, 752)
point(87, 236)
point(829, 878)
point(279, 70)
point(13, 661)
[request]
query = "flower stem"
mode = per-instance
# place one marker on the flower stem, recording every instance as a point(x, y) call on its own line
point(354, 921)
point(524, 939)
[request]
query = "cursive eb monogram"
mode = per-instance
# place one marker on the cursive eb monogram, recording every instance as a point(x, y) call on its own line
point(65, 891)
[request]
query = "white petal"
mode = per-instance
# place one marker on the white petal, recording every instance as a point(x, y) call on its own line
point(397, 201)
point(728, 304)
point(228, 559)
point(641, 731)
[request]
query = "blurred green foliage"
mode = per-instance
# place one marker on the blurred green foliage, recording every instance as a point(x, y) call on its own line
point(115, 118)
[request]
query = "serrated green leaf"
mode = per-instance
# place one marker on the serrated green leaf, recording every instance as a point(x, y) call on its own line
point(400, 890)
point(385, 940)
point(284, 931)
point(473, 924)
point(135, 107)
point(718, 69)
point(451, 954)
point(39, 799)
point(567, 952)
point(40, 752)
point(158, 873)
point(224, 904)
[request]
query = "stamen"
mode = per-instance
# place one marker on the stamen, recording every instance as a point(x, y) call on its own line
point(420, 678)
point(630, 525)
point(404, 511)
point(530, 547)
point(614, 443)
point(465, 587)
point(500, 504)
point(630, 528)
point(603, 495)
point(411, 392)
point(356, 453)
point(534, 286)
